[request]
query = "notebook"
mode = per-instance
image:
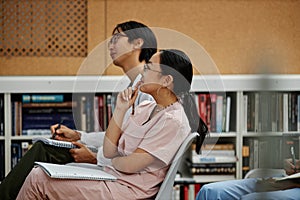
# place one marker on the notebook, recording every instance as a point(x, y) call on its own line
point(73, 171)
point(56, 143)
point(293, 176)
point(59, 143)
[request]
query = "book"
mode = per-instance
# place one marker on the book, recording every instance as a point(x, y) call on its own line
point(101, 112)
point(108, 108)
point(42, 98)
point(228, 107)
point(63, 144)
point(83, 113)
point(245, 159)
point(293, 176)
point(213, 152)
point(285, 112)
point(227, 146)
point(219, 113)
point(246, 113)
point(213, 159)
point(212, 168)
point(202, 106)
point(208, 113)
point(75, 172)
point(96, 115)
point(213, 114)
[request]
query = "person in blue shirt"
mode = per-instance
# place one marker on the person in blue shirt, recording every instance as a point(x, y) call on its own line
point(254, 188)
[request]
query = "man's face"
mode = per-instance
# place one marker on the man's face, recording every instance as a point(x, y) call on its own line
point(119, 48)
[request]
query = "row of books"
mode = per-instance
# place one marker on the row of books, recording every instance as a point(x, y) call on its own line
point(216, 162)
point(272, 111)
point(96, 111)
point(215, 110)
point(33, 115)
point(213, 168)
point(264, 111)
point(36, 118)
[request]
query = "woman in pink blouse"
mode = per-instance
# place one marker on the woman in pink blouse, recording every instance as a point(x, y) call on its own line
point(142, 147)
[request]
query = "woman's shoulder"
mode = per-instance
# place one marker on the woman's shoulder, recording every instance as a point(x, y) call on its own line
point(146, 103)
point(176, 113)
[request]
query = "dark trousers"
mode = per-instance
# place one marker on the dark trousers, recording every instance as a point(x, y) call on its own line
point(11, 185)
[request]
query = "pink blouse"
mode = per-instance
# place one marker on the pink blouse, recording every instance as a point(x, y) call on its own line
point(161, 136)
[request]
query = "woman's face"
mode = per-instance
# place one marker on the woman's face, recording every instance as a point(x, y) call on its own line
point(152, 76)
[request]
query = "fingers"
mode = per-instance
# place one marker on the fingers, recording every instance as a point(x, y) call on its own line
point(127, 94)
point(138, 84)
point(53, 127)
point(78, 144)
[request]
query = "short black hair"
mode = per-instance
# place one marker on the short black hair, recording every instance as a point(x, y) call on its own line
point(135, 30)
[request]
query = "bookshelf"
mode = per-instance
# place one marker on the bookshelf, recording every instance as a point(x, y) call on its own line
point(235, 86)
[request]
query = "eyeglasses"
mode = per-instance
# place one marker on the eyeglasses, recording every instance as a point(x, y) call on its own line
point(114, 39)
point(146, 68)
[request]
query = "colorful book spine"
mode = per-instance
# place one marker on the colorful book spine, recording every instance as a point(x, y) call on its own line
point(219, 114)
point(228, 109)
point(42, 98)
point(213, 106)
point(83, 113)
point(96, 114)
point(202, 107)
point(101, 112)
point(213, 159)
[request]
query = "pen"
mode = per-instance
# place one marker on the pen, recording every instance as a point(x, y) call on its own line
point(133, 106)
point(58, 127)
point(132, 109)
point(293, 157)
point(139, 76)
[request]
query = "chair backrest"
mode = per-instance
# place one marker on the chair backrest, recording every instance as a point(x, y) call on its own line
point(165, 191)
point(265, 173)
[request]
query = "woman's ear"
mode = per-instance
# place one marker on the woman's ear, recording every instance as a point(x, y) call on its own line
point(168, 80)
point(138, 43)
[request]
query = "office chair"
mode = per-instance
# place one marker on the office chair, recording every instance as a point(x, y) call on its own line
point(166, 188)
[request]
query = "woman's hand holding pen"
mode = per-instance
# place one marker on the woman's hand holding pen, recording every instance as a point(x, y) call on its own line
point(126, 98)
point(64, 133)
point(290, 168)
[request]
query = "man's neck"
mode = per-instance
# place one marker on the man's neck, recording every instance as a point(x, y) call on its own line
point(134, 71)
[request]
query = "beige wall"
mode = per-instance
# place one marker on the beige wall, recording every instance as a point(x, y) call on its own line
point(241, 36)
